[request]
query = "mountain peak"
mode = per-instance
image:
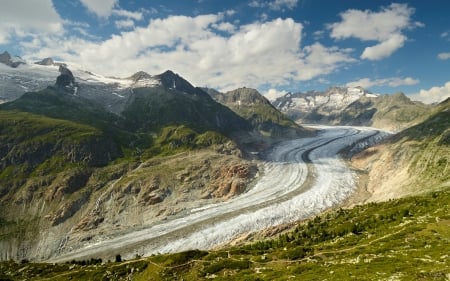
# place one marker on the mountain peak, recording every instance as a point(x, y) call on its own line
point(46, 61)
point(7, 59)
point(171, 80)
point(65, 80)
point(140, 75)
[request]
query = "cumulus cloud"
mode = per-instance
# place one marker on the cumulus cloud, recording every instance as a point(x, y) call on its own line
point(206, 49)
point(385, 48)
point(103, 8)
point(433, 95)
point(385, 26)
point(392, 82)
point(444, 56)
point(17, 21)
point(276, 5)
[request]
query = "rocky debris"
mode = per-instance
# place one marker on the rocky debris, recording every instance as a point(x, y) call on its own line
point(65, 79)
point(231, 180)
point(89, 222)
point(6, 58)
point(46, 61)
point(68, 210)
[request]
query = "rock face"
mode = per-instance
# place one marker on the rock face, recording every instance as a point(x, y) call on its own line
point(65, 79)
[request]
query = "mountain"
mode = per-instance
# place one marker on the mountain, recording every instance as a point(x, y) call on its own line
point(319, 107)
point(414, 161)
point(255, 108)
point(72, 169)
point(13, 62)
point(46, 61)
point(353, 106)
point(172, 100)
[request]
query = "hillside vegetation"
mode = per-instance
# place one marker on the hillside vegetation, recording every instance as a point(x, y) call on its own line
point(415, 160)
point(403, 239)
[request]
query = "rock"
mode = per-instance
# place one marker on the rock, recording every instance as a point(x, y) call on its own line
point(66, 79)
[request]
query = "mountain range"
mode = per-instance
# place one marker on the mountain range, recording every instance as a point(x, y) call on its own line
point(87, 155)
point(353, 106)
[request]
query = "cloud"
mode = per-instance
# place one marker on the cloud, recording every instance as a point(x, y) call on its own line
point(273, 94)
point(391, 82)
point(385, 48)
point(433, 95)
point(206, 49)
point(385, 26)
point(21, 22)
point(276, 5)
point(124, 24)
point(103, 8)
point(128, 14)
point(444, 56)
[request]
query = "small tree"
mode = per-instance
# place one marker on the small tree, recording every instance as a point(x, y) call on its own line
point(118, 258)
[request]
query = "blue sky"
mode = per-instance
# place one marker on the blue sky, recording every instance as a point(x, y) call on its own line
point(274, 46)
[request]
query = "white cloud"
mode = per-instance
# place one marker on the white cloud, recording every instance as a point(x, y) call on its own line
point(103, 8)
point(124, 24)
point(281, 4)
point(128, 14)
point(273, 94)
point(433, 95)
point(19, 21)
point(392, 82)
point(385, 48)
point(444, 56)
point(276, 5)
point(252, 55)
point(385, 26)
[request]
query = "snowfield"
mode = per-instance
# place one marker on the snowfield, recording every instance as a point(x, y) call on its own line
point(300, 178)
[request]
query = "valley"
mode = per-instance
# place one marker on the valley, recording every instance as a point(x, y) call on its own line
point(94, 168)
point(300, 178)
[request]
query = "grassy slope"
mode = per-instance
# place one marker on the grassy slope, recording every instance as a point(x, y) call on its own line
point(404, 239)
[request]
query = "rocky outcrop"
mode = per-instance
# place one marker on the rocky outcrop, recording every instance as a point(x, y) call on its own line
point(231, 180)
point(65, 79)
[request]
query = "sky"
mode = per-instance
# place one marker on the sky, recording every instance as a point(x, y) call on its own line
point(275, 46)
